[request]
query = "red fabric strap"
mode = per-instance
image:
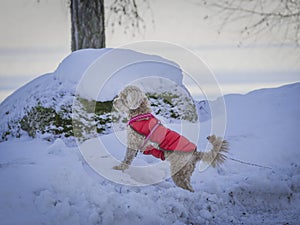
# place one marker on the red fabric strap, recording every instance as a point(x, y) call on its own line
point(139, 117)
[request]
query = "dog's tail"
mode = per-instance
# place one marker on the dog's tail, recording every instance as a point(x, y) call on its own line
point(216, 155)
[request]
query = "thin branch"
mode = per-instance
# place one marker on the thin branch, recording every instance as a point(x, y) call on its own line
point(127, 14)
point(264, 15)
point(255, 12)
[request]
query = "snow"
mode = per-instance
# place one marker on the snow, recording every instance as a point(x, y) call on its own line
point(82, 74)
point(51, 183)
point(109, 70)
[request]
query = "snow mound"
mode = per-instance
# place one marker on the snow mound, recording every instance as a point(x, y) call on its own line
point(78, 76)
point(72, 68)
point(63, 82)
point(115, 68)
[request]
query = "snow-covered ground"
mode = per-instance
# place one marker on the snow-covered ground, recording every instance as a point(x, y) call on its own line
point(51, 183)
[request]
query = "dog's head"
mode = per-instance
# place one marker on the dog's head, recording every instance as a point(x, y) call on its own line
point(130, 98)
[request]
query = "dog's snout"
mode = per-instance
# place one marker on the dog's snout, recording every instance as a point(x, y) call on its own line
point(208, 137)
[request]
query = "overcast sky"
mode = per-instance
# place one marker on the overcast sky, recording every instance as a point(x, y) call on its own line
point(35, 37)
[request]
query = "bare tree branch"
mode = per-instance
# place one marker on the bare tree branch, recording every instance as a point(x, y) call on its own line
point(261, 16)
point(127, 14)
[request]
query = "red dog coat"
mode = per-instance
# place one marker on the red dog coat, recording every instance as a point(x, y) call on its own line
point(153, 130)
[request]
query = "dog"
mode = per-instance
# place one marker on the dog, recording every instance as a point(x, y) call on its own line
point(133, 101)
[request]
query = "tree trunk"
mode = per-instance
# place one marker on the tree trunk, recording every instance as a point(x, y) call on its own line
point(87, 18)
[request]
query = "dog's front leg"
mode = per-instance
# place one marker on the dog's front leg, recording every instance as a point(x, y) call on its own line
point(130, 154)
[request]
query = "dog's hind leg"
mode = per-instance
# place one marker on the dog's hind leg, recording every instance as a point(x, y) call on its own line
point(188, 171)
point(187, 182)
point(179, 181)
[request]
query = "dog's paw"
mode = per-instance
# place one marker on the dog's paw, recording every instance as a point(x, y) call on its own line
point(122, 167)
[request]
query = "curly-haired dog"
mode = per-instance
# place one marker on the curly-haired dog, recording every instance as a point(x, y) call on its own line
point(181, 153)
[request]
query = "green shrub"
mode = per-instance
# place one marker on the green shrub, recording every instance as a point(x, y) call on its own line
point(85, 118)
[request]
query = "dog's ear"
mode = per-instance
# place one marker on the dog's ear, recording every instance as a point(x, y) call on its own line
point(135, 98)
point(119, 106)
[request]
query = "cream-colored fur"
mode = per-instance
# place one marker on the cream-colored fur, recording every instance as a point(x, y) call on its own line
point(133, 102)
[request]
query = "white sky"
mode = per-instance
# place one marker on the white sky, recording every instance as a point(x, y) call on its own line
point(35, 37)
